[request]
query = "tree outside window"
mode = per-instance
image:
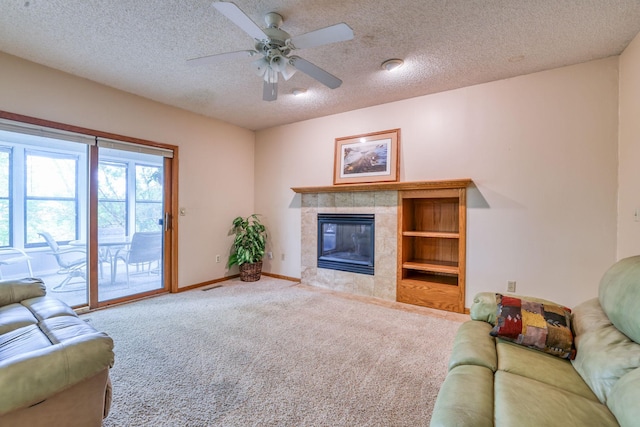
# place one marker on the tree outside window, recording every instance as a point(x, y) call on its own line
point(148, 197)
point(51, 196)
point(112, 195)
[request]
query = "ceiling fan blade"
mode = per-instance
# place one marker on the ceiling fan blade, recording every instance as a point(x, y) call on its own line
point(269, 91)
point(316, 72)
point(239, 18)
point(221, 57)
point(335, 33)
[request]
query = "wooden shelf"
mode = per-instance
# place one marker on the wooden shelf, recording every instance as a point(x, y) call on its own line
point(420, 278)
point(432, 234)
point(432, 266)
point(387, 186)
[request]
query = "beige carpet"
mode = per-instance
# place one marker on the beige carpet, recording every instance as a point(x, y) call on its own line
point(272, 353)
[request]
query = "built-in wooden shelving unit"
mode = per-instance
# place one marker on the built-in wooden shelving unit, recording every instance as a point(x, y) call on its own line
point(432, 246)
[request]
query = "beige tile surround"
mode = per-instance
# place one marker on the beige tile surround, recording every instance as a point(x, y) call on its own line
point(384, 205)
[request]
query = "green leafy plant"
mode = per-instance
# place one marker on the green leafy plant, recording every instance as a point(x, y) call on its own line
point(250, 241)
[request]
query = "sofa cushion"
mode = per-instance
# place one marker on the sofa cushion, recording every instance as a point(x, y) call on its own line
point(22, 341)
point(63, 328)
point(47, 307)
point(619, 295)
point(544, 327)
point(542, 367)
point(524, 402)
point(604, 353)
point(14, 316)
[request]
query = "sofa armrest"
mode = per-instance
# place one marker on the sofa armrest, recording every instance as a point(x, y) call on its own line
point(31, 377)
point(484, 307)
point(13, 291)
point(465, 399)
point(624, 397)
point(474, 346)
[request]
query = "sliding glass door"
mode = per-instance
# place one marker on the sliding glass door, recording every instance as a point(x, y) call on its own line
point(87, 215)
point(130, 223)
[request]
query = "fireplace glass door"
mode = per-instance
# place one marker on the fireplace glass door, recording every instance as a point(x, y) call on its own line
point(346, 242)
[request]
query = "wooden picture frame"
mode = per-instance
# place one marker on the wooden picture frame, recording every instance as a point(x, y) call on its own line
point(371, 157)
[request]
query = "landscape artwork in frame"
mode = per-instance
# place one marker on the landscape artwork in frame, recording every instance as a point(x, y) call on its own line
point(372, 157)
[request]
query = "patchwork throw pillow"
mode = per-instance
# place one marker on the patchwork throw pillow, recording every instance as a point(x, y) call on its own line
point(544, 327)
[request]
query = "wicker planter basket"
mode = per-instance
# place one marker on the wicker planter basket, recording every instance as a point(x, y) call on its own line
point(250, 272)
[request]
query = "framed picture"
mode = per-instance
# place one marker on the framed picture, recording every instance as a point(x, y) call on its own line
point(372, 157)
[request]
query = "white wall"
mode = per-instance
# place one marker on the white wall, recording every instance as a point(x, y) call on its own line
point(211, 152)
point(541, 149)
point(629, 149)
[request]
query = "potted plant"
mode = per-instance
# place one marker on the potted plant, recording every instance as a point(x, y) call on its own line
point(248, 247)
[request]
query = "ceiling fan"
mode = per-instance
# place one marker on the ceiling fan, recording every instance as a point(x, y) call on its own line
point(274, 46)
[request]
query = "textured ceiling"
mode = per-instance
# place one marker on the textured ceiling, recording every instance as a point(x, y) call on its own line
point(141, 47)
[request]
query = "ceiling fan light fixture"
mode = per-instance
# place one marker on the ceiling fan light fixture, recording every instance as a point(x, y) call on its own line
point(261, 66)
point(281, 64)
point(288, 72)
point(392, 64)
point(271, 76)
point(277, 62)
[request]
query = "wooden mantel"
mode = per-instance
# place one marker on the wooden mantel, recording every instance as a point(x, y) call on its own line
point(388, 186)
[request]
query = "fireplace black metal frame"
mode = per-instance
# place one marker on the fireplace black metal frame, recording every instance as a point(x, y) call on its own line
point(353, 266)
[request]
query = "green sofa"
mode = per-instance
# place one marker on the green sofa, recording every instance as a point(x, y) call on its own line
point(54, 367)
point(494, 382)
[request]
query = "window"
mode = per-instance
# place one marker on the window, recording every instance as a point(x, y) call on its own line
point(51, 190)
point(130, 191)
point(43, 187)
point(5, 197)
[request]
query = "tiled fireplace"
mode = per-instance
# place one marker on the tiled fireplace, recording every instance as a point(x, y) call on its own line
point(383, 205)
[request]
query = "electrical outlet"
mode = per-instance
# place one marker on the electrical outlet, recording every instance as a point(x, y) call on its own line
point(282, 257)
point(511, 286)
point(217, 258)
